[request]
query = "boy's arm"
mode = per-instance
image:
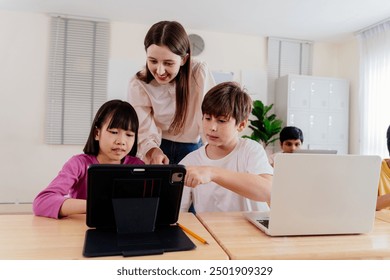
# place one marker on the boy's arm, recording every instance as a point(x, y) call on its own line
point(383, 201)
point(185, 199)
point(253, 186)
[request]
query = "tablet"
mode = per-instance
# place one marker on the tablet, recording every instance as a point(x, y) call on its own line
point(147, 184)
point(132, 210)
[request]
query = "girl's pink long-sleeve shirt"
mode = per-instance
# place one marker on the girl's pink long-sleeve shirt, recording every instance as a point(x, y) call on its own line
point(71, 182)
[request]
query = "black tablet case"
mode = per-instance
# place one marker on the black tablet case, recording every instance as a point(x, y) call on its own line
point(132, 210)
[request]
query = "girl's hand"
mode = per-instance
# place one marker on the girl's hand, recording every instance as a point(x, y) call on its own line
point(73, 206)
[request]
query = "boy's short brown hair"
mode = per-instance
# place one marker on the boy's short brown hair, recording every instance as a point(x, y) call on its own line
point(227, 99)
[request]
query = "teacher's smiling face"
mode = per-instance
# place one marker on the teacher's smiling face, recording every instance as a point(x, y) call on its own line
point(163, 64)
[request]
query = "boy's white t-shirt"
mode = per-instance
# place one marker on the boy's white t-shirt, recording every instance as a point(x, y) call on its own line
point(272, 157)
point(248, 156)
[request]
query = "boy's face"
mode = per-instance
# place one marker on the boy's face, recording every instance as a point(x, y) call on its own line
point(221, 131)
point(290, 145)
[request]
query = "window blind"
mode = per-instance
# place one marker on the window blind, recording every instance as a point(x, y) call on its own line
point(77, 77)
point(287, 56)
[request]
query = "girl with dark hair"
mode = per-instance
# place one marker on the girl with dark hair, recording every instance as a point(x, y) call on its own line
point(167, 95)
point(112, 140)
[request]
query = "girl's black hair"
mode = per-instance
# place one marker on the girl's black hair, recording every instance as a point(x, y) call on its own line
point(121, 115)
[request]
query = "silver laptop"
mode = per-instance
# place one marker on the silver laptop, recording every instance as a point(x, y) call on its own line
point(316, 194)
point(315, 151)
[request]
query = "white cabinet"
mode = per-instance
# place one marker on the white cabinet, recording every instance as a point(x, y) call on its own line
point(317, 105)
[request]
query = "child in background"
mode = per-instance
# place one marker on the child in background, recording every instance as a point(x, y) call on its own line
point(112, 140)
point(291, 139)
point(229, 173)
point(383, 200)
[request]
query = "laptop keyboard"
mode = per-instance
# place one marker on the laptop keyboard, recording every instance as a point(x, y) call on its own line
point(263, 222)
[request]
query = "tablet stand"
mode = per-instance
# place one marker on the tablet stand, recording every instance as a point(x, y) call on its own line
point(135, 214)
point(136, 233)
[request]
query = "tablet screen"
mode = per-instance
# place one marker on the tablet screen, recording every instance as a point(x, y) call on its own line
point(109, 182)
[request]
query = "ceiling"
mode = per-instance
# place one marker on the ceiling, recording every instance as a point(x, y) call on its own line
point(316, 20)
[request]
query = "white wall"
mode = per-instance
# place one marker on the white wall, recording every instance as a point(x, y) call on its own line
point(28, 164)
point(349, 69)
point(242, 55)
point(342, 61)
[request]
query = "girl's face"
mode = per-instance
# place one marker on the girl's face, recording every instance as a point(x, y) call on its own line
point(289, 146)
point(163, 64)
point(114, 144)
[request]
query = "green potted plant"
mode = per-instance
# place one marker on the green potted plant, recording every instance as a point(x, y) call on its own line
point(266, 126)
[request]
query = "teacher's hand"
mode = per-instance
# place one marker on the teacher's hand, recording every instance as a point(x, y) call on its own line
point(156, 156)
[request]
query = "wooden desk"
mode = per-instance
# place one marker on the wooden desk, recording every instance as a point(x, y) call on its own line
point(383, 215)
point(242, 240)
point(30, 237)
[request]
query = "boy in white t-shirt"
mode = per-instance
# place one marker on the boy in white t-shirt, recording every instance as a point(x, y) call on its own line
point(229, 173)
